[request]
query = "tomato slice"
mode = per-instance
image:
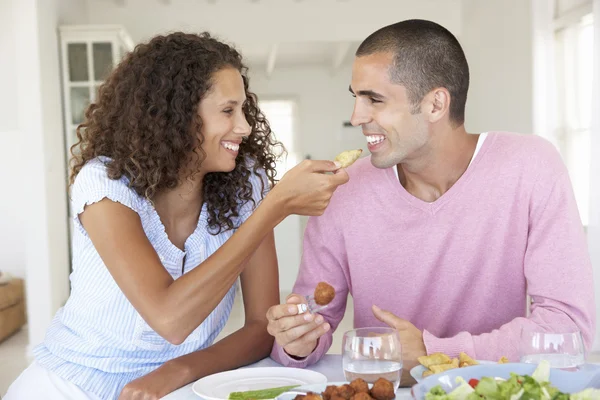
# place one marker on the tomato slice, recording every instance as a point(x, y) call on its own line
point(473, 382)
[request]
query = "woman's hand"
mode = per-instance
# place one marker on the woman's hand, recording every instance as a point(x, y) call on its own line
point(157, 384)
point(306, 189)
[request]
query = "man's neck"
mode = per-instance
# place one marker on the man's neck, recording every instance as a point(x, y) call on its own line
point(439, 165)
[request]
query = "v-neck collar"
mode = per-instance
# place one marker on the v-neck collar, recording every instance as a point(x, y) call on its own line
point(433, 207)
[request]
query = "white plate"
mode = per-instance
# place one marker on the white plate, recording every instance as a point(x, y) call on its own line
point(218, 386)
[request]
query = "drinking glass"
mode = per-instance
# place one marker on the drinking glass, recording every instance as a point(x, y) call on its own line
point(372, 353)
point(563, 349)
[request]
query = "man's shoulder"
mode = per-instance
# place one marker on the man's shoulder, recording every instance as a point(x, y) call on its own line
point(532, 154)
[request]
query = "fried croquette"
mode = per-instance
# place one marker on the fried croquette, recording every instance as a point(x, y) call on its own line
point(383, 390)
point(345, 391)
point(360, 386)
point(324, 293)
point(312, 396)
point(361, 396)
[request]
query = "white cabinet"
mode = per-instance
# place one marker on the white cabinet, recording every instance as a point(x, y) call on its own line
point(88, 54)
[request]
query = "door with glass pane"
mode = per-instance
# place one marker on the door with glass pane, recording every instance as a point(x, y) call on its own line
point(88, 55)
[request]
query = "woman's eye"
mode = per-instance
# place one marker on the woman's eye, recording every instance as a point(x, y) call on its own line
point(228, 111)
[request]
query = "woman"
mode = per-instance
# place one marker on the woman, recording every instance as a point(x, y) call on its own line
point(170, 196)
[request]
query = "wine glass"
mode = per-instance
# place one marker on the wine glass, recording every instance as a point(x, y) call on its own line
point(562, 349)
point(372, 353)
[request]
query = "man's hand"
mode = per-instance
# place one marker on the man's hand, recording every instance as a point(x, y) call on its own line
point(297, 334)
point(411, 340)
point(157, 384)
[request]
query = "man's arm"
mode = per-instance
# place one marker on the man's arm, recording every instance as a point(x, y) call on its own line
point(323, 259)
point(558, 271)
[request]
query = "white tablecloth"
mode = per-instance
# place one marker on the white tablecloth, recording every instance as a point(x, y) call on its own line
point(330, 366)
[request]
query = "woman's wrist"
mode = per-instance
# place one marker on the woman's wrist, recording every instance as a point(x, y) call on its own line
point(274, 206)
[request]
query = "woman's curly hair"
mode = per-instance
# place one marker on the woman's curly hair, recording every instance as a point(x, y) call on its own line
point(146, 121)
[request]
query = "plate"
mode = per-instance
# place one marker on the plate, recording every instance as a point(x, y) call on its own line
point(417, 372)
point(565, 381)
point(218, 386)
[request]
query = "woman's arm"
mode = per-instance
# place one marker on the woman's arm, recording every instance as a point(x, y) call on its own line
point(174, 308)
point(260, 288)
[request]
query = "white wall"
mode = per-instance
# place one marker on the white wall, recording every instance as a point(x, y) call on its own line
point(38, 171)
point(244, 21)
point(12, 248)
point(497, 38)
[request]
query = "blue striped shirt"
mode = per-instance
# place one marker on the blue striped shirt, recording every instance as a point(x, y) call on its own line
point(98, 340)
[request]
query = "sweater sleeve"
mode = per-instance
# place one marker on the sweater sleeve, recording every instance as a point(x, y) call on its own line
point(558, 272)
point(323, 259)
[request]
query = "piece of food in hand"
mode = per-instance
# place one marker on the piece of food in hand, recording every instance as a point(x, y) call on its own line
point(503, 360)
point(347, 158)
point(324, 293)
point(383, 390)
point(444, 367)
point(360, 386)
point(434, 359)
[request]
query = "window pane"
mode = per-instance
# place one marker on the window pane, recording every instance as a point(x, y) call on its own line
point(574, 74)
point(80, 99)
point(280, 114)
point(78, 62)
point(585, 65)
point(103, 61)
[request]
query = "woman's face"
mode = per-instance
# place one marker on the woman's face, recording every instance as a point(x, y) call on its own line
point(224, 124)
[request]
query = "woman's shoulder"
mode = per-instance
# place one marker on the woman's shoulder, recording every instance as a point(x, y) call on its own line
point(93, 183)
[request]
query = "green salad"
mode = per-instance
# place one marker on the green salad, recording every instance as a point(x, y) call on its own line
point(517, 387)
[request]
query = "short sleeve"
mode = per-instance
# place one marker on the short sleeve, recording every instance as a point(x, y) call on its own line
point(92, 184)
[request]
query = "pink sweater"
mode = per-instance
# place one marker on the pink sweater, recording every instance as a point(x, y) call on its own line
point(459, 268)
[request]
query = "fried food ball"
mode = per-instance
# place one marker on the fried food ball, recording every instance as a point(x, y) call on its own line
point(336, 397)
point(329, 392)
point(362, 396)
point(312, 396)
point(345, 391)
point(360, 386)
point(383, 390)
point(299, 397)
point(324, 293)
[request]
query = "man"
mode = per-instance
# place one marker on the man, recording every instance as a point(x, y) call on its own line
point(447, 231)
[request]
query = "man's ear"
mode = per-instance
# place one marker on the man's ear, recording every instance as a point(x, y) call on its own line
point(436, 104)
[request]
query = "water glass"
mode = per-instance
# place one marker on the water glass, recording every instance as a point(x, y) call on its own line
point(372, 353)
point(564, 350)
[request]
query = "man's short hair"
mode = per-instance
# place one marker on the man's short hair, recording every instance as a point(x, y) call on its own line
point(426, 56)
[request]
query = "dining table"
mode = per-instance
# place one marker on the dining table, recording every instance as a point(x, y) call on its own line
point(330, 366)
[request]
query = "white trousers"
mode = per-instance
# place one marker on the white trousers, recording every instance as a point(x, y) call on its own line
point(36, 382)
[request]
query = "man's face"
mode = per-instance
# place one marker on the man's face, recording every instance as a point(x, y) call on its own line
point(394, 128)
